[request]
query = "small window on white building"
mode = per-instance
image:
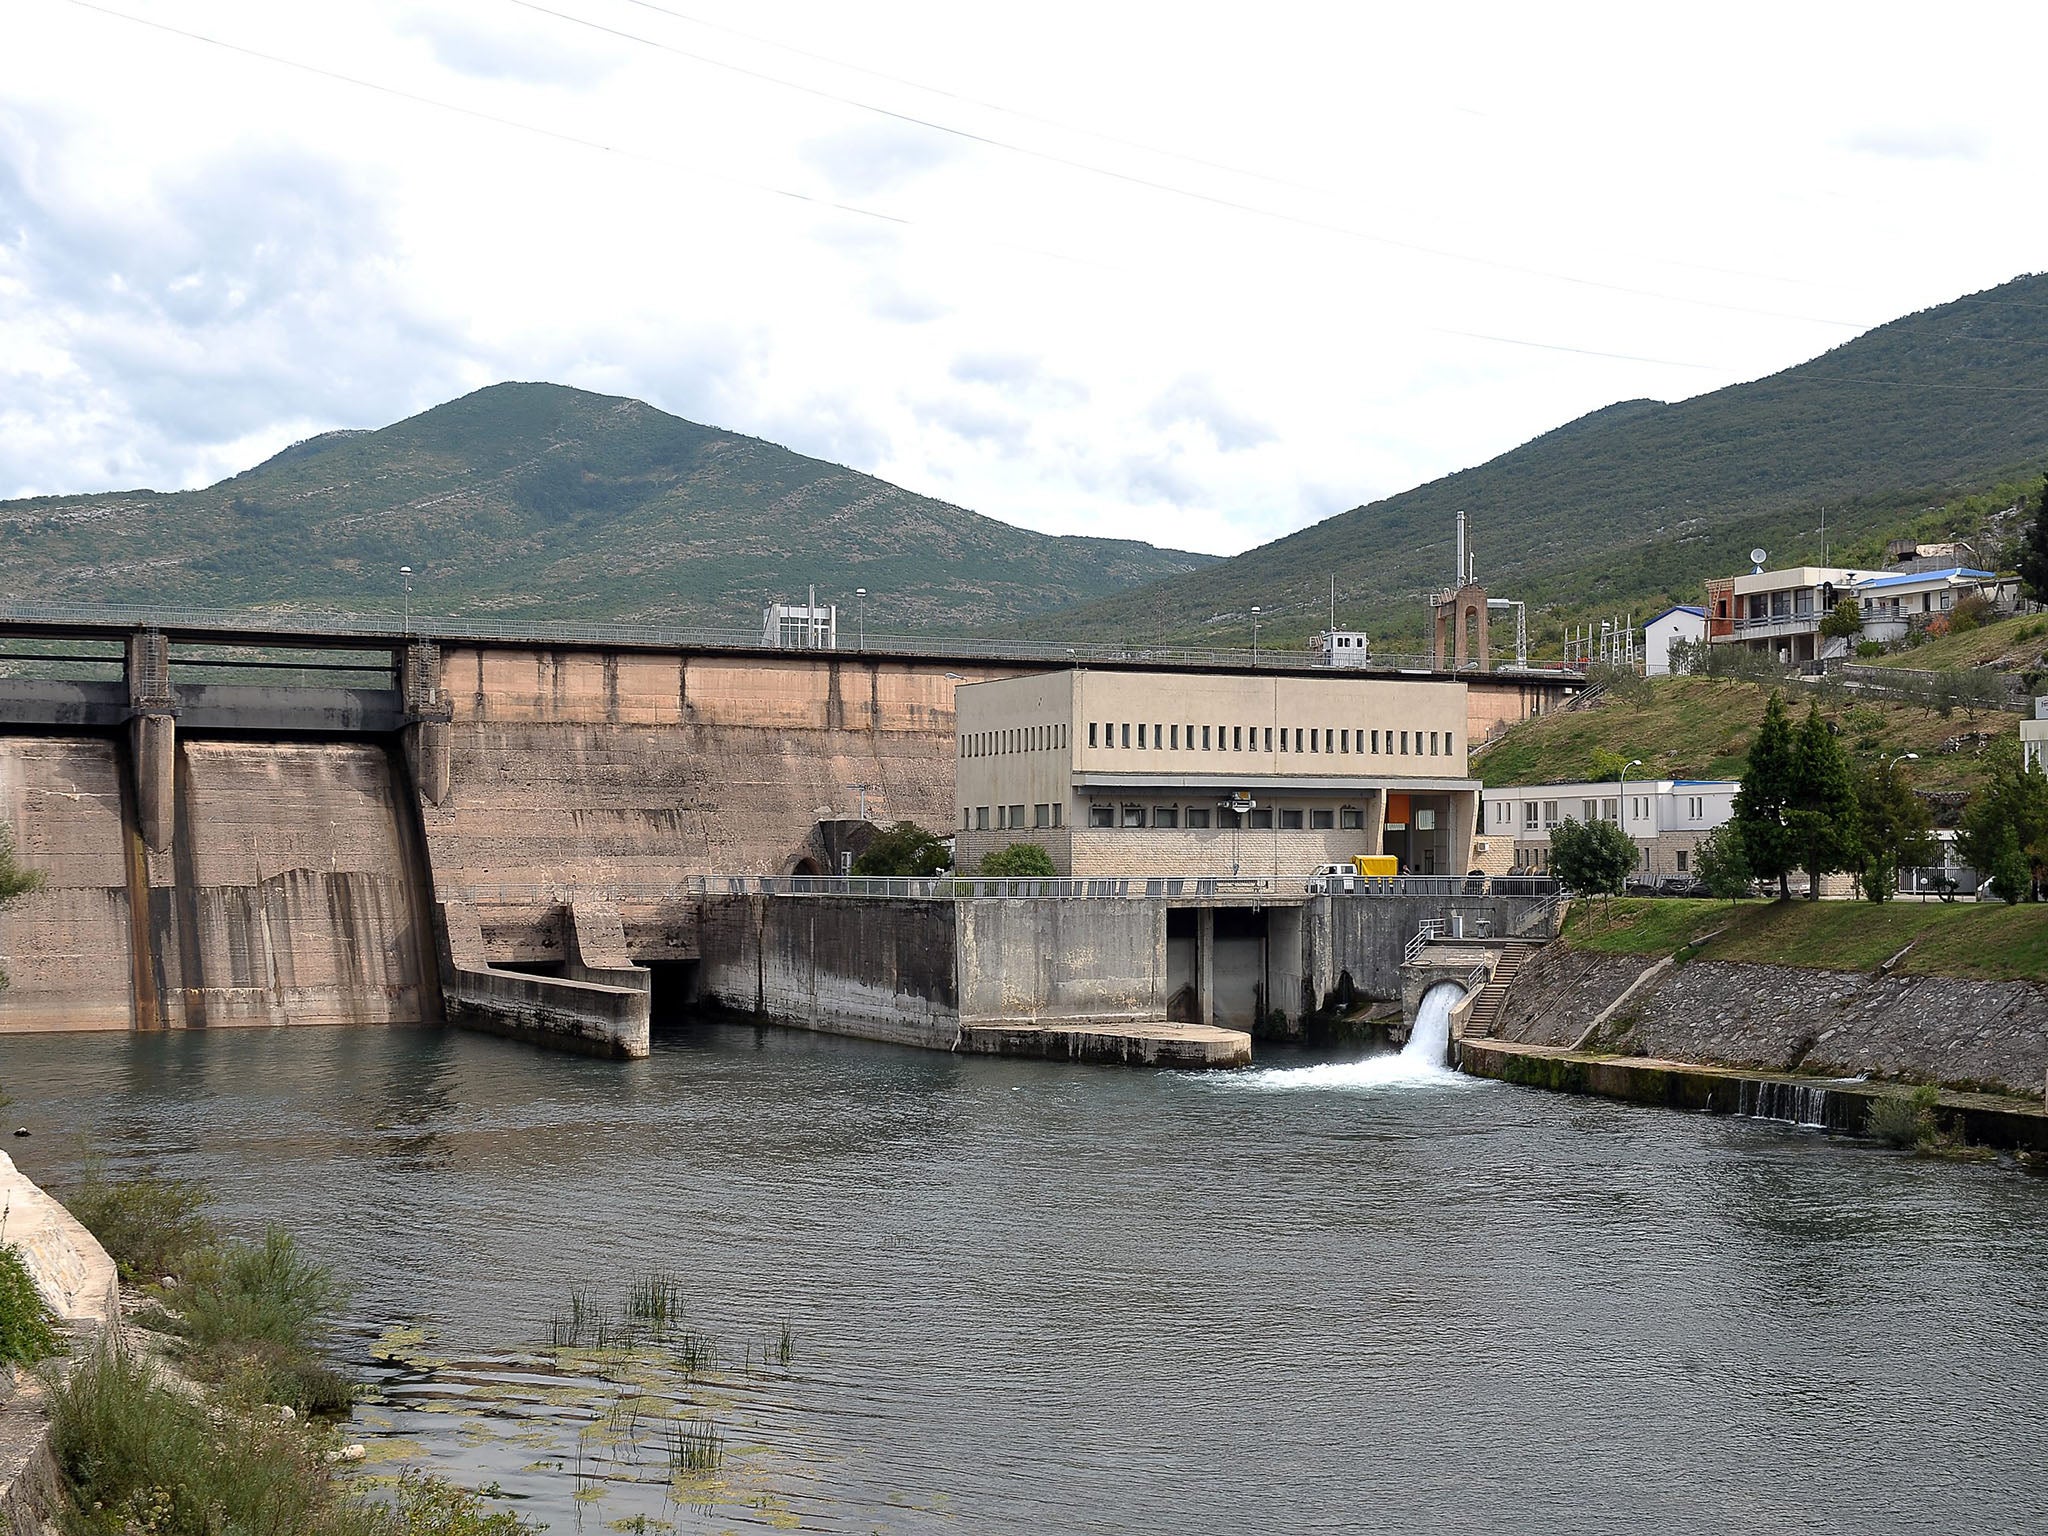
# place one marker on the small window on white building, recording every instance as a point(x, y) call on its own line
point(1198, 817)
point(1134, 815)
point(1101, 815)
point(1550, 813)
point(1165, 816)
point(1321, 821)
point(1529, 814)
point(1041, 815)
point(981, 818)
point(1016, 815)
point(1290, 821)
point(1609, 809)
point(1681, 860)
point(1351, 818)
point(1696, 808)
point(1091, 733)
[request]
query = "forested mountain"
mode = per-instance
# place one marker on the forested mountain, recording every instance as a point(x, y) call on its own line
point(535, 502)
point(1641, 500)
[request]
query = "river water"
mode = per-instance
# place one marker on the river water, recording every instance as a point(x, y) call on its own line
point(1021, 1297)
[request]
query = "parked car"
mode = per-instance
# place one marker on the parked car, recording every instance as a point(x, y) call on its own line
point(1640, 888)
point(1326, 878)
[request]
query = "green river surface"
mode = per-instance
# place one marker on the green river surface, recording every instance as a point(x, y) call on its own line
point(933, 1293)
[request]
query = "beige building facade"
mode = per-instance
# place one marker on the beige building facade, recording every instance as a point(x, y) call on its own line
point(1224, 774)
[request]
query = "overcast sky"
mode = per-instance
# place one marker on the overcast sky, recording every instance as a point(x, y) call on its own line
point(1195, 274)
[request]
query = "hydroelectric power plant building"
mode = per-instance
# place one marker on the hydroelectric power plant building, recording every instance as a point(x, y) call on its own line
point(1215, 773)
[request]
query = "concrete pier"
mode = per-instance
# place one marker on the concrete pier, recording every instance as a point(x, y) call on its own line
point(588, 1017)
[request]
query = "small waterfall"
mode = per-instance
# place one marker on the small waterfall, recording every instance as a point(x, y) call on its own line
point(1429, 1042)
point(1788, 1103)
point(1422, 1061)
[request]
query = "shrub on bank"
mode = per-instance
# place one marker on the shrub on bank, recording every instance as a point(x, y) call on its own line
point(28, 1328)
point(151, 1227)
point(1902, 1120)
point(138, 1455)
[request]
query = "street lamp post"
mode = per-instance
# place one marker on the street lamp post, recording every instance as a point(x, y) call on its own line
point(405, 571)
point(1888, 766)
point(861, 597)
point(1255, 634)
point(1634, 762)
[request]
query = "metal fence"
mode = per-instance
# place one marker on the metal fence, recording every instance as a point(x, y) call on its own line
point(980, 887)
point(389, 630)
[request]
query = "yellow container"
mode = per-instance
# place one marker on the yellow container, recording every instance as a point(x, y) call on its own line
point(1380, 864)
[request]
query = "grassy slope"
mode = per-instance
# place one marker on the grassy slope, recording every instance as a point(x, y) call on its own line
point(532, 500)
point(1641, 501)
point(1700, 728)
point(2016, 644)
point(1988, 942)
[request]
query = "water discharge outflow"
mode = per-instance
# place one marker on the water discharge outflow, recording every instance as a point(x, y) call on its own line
point(1425, 1059)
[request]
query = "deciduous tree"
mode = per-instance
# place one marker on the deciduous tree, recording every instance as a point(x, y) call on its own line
point(1843, 620)
point(905, 849)
point(1020, 859)
point(1591, 858)
point(2006, 825)
point(1722, 864)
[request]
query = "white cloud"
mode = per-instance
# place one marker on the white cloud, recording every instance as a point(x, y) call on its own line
point(204, 255)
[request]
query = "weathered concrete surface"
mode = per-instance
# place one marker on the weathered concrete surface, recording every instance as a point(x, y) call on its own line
point(70, 949)
point(289, 898)
point(635, 769)
point(1982, 1119)
point(1185, 1046)
point(1363, 937)
point(597, 948)
point(563, 1013)
point(880, 970)
point(1082, 961)
point(77, 1278)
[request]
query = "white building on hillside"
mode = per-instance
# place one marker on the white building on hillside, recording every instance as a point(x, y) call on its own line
point(1687, 621)
point(1892, 604)
point(1667, 818)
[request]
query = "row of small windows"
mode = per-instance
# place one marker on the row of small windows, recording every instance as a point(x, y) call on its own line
point(1587, 811)
point(1021, 738)
point(1247, 738)
point(1008, 817)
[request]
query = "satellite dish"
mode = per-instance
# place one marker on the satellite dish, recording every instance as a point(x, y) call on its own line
point(1757, 558)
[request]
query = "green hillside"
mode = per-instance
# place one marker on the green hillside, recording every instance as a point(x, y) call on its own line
point(1637, 503)
point(533, 501)
point(1701, 728)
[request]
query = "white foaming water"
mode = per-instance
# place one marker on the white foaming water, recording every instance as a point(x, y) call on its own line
point(1424, 1059)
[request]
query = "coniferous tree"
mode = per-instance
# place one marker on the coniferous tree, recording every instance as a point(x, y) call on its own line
point(1762, 803)
point(1894, 823)
point(1821, 810)
point(2033, 561)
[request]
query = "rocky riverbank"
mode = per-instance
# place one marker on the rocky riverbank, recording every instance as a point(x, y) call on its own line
point(1960, 1032)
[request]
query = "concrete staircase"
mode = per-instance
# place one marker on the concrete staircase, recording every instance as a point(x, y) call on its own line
point(1486, 1007)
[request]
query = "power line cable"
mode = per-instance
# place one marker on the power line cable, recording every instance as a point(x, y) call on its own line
point(1130, 178)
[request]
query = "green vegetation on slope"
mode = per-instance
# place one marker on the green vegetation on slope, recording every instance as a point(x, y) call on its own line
point(2013, 645)
point(532, 501)
point(1642, 501)
point(1701, 728)
point(1981, 940)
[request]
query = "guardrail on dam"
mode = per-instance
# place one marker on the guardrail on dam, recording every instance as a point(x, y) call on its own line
point(253, 821)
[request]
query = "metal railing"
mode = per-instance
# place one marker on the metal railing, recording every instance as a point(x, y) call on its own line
point(392, 630)
point(1427, 932)
point(949, 887)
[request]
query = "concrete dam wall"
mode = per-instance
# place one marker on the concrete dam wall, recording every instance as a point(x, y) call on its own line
point(285, 896)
